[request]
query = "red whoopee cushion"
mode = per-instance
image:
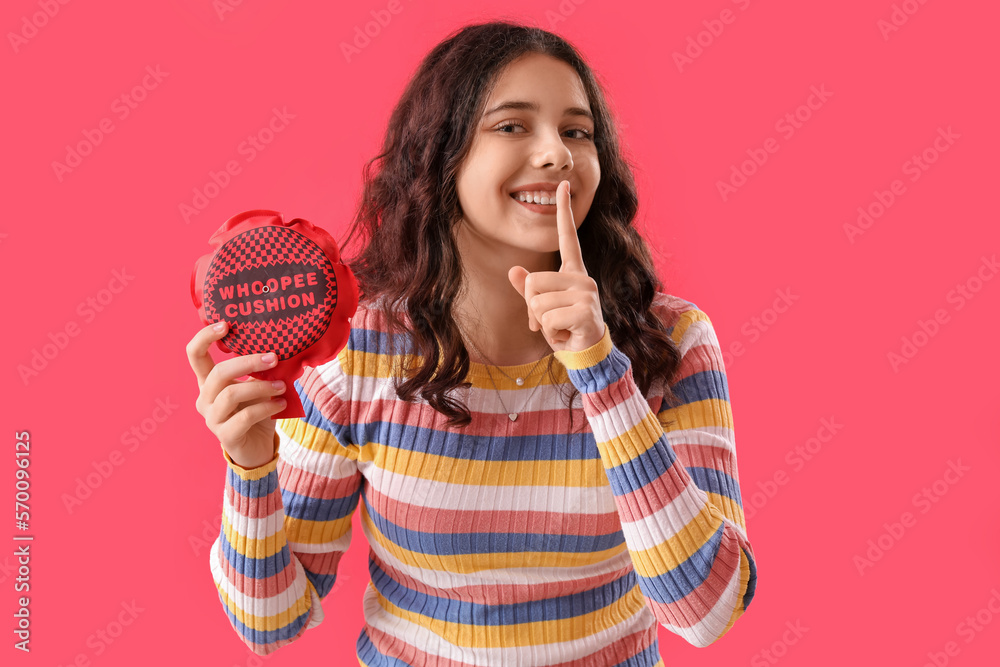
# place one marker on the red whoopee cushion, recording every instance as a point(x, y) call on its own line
point(282, 288)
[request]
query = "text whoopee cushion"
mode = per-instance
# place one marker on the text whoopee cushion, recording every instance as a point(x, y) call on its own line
point(282, 288)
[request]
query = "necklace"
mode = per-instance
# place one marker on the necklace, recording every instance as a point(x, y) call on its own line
point(519, 381)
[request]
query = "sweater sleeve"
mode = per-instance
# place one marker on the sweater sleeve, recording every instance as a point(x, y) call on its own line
point(286, 524)
point(674, 478)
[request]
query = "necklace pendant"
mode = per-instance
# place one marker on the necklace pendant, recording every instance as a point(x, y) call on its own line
point(519, 381)
point(513, 416)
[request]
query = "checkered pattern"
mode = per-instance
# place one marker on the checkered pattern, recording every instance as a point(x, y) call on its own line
point(248, 255)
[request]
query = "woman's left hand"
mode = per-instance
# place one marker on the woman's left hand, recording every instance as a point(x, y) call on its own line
point(565, 304)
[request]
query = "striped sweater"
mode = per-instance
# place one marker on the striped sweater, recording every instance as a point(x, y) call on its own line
point(522, 542)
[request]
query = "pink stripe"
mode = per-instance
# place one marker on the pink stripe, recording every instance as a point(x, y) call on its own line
point(257, 588)
point(316, 486)
point(653, 497)
point(438, 520)
point(616, 652)
point(705, 456)
point(494, 594)
point(541, 423)
point(704, 597)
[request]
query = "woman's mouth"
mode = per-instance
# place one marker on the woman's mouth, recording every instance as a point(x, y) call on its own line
point(539, 202)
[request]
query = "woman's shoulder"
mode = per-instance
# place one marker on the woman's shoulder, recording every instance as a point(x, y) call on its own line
point(676, 313)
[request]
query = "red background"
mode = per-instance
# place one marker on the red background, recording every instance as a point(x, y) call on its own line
point(855, 300)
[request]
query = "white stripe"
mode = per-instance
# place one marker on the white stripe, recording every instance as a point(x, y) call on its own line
point(698, 333)
point(707, 630)
point(445, 495)
point(324, 464)
point(501, 576)
point(664, 524)
point(268, 606)
point(712, 436)
point(366, 389)
point(341, 544)
point(257, 529)
point(618, 419)
point(541, 654)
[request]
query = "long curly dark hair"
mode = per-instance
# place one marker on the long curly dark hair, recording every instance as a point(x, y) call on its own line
point(410, 267)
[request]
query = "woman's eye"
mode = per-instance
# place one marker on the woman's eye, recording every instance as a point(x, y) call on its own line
point(583, 134)
point(500, 128)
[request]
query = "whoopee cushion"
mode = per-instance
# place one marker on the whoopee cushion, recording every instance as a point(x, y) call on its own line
point(282, 288)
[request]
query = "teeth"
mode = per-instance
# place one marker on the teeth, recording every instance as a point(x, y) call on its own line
point(537, 197)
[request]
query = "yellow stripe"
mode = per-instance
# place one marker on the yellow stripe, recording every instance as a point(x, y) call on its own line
point(724, 503)
point(315, 439)
point(470, 563)
point(524, 634)
point(698, 414)
point(316, 532)
point(379, 365)
point(274, 622)
point(574, 472)
point(593, 355)
point(295, 530)
point(252, 547)
point(633, 442)
point(662, 558)
point(744, 579)
point(686, 319)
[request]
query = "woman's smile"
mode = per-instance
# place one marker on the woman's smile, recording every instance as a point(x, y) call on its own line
point(546, 209)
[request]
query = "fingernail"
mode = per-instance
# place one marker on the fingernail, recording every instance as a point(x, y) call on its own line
point(278, 385)
point(219, 327)
point(268, 358)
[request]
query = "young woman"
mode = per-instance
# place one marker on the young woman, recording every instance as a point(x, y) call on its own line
point(508, 523)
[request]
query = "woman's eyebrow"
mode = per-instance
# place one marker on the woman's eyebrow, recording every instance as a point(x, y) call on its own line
point(531, 106)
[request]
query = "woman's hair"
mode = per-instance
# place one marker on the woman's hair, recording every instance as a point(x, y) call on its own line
point(410, 207)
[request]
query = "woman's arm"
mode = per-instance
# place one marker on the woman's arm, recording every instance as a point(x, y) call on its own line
point(675, 481)
point(286, 524)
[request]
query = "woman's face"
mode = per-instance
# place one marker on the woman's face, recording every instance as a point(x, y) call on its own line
point(516, 147)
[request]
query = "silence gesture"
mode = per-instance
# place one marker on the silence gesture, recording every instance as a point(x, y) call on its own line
point(565, 304)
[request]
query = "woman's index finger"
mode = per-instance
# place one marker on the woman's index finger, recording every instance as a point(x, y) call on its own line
point(569, 243)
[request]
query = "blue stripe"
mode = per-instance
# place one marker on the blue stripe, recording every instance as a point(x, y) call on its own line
point(265, 636)
point(608, 371)
point(751, 582)
point(716, 481)
point(375, 658)
point(701, 386)
point(488, 447)
point(314, 417)
point(687, 576)
point(648, 657)
point(451, 544)
point(256, 568)
point(318, 509)
point(648, 466)
point(480, 615)
point(374, 341)
point(252, 488)
point(262, 568)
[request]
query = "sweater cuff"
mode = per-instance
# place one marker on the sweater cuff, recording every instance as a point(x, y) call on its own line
point(259, 472)
point(593, 369)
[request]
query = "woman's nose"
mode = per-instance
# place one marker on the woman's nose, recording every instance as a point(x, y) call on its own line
point(551, 149)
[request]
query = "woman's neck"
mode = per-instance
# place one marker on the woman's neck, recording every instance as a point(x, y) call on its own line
point(494, 317)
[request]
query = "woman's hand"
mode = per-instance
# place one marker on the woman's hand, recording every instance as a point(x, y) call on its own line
point(238, 413)
point(565, 304)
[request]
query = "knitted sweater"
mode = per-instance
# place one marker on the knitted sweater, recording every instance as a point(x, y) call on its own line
point(522, 542)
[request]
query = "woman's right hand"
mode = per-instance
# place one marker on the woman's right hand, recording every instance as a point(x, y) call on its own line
point(238, 413)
